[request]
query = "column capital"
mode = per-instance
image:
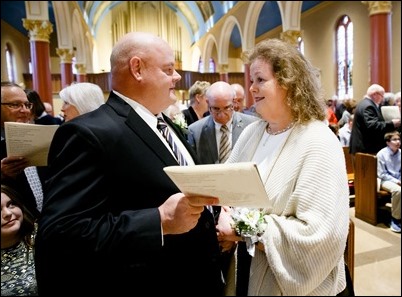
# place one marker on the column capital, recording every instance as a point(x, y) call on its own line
point(223, 68)
point(291, 36)
point(81, 69)
point(39, 30)
point(66, 55)
point(378, 7)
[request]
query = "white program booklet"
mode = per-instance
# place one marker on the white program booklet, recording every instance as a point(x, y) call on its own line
point(30, 141)
point(235, 184)
point(390, 112)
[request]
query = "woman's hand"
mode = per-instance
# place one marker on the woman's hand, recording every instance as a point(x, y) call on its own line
point(226, 234)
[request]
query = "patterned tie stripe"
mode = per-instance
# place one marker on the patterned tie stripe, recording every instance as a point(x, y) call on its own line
point(224, 147)
point(35, 184)
point(163, 128)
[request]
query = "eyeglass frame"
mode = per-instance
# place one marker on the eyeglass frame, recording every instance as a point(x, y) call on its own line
point(16, 106)
point(217, 110)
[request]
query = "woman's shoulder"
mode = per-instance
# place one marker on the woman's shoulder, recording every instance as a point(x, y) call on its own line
point(317, 133)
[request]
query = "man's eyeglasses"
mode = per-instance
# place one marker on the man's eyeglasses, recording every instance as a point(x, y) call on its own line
point(395, 139)
point(27, 105)
point(238, 100)
point(225, 109)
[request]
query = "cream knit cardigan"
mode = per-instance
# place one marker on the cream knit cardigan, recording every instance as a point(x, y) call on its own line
point(307, 186)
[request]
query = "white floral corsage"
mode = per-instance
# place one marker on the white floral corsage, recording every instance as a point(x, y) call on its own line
point(249, 223)
point(180, 121)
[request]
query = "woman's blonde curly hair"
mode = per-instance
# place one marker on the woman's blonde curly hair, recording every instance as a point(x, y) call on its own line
point(295, 74)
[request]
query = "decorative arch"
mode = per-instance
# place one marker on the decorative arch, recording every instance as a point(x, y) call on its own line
point(290, 14)
point(224, 41)
point(63, 23)
point(250, 27)
point(209, 44)
point(89, 50)
point(78, 38)
point(195, 58)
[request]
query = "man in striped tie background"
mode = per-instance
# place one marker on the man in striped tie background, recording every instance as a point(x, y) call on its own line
point(214, 136)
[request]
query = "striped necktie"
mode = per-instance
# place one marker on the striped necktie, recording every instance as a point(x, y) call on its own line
point(163, 128)
point(224, 147)
point(35, 184)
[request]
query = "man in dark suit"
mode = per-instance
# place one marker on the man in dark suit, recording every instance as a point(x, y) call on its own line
point(204, 135)
point(369, 126)
point(113, 222)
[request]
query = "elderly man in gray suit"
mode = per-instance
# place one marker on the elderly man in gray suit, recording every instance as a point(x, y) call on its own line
point(213, 136)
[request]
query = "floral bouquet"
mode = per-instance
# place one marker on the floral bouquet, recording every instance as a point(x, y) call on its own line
point(180, 121)
point(249, 223)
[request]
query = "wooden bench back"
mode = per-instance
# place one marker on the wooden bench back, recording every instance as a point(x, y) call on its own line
point(348, 159)
point(366, 192)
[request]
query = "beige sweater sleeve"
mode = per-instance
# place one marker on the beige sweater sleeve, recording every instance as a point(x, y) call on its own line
point(309, 213)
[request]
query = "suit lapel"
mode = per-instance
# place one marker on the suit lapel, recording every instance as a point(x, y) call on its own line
point(141, 129)
point(237, 127)
point(182, 139)
point(208, 140)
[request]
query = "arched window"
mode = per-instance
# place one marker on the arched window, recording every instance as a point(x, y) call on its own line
point(344, 57)
point(10, 63)
point(300, 45)
point(200, 65)
point(212, 65)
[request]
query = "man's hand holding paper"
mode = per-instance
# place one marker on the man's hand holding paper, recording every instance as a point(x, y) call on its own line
point(235, 184)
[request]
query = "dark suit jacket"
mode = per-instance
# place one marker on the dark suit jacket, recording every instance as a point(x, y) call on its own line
point(369, 128)
point(48, 120)
point(100, 230)
point(190, 115)
point(203, 139)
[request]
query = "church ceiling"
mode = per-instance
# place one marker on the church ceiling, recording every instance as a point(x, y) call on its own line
point(198, 16)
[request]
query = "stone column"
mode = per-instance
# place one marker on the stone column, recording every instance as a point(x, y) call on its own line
point(81, 72)
point(223, 73)
point(66, 66)
point(380, 43)
point(39, 33)
point(247, 85)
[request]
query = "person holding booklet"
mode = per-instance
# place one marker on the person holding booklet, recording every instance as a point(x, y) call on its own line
point(297, 245)
point(112, 221)
point(16, 108)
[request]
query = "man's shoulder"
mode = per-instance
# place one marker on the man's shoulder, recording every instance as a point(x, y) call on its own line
point(199, 124)
point(186, 111)
point(246, 117)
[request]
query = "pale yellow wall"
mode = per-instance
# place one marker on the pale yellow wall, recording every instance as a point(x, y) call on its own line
point(103, 45)
point(55, 66)
point(319, 36)
point(20, 46)
point(319, 39)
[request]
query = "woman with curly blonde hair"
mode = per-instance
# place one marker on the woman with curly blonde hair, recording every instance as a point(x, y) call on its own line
point(301, 163)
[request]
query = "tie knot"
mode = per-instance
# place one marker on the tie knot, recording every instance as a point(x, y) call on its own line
point(224, 128)
point(161, 125)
